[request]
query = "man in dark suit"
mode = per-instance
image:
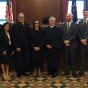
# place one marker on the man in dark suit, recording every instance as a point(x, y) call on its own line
point(20, 33)
point(69, 33)
point(53, 45)
point(83, 37)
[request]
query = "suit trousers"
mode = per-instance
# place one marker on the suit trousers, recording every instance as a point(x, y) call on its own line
point(84, 50)
point(70, 59)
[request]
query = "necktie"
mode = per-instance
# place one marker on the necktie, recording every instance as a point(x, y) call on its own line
point(68, 25)
point(84, 25)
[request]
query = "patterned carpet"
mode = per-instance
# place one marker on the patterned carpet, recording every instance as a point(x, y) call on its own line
point(44, 81)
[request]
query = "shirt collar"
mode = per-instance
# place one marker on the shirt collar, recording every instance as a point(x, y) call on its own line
point(52, 26)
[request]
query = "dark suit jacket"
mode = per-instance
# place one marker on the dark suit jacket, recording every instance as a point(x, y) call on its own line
point(71, 36)
point(81, 34)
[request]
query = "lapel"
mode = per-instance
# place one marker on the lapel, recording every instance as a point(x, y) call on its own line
point(81, 26)
point(86, 29)
point(65, 28)
point(6, 36)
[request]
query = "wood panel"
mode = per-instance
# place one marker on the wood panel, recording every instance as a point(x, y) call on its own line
point(37, 9)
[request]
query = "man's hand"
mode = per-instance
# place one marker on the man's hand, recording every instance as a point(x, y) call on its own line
point(4, 53)
point(18, 49)
point(66, 43)
point(49, 47)
point(12, 53)
point(84, 41)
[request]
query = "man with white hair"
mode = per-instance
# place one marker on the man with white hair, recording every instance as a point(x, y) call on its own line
point(69, 32)
point(53, 45)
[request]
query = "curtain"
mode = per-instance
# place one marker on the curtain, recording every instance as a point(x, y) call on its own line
point(64, 9)
point(86, 3)
point(14, 10)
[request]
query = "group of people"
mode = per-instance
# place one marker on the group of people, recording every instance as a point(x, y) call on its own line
point(27, 45)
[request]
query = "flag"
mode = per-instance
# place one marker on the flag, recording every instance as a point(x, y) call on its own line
point(74, 10)
point(8, 12)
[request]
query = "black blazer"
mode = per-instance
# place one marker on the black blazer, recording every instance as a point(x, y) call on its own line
point(71, 36)
point(0, 27)
point(4, 42)
point(81, 34)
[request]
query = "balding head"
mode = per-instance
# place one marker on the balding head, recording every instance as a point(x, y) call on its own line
point(69, 16)
point(21, 17)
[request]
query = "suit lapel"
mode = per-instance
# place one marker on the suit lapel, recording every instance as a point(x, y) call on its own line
point(86, 28)
point(65, 28)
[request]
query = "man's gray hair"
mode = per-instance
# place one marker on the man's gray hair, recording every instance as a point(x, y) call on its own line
point(52, 17)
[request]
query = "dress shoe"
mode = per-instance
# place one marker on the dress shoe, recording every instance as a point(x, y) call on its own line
point(54, 75)
point(24, 74)
point(18, 75)
point(49, 73)
point(74, 75)
point(66, 73)
point(81, 73)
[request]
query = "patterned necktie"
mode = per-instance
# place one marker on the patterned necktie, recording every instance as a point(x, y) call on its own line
point(68, 26)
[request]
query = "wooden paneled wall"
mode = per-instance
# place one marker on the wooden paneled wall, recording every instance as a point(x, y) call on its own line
point(37, 9)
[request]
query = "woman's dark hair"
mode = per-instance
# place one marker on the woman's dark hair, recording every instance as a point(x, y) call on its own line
point(34, 24)
point(5, 25)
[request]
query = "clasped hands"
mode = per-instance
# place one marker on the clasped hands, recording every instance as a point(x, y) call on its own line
point(66, 42)
point(84, 41)
point(36, 48)
point(5, 53)
point(49, 46)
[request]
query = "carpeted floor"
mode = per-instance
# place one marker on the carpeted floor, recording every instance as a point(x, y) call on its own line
point(45, 81)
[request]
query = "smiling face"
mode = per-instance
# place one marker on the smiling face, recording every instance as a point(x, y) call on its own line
point(36, 24)
point(69, 17)
point(7, 27)
point(52, 21)
point(85, 13)
point(21, 17)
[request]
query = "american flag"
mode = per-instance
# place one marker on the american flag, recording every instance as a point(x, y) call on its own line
point(8, 12)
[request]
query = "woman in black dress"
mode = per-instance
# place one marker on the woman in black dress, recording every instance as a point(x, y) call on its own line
point(5, 50)
point(37, 43)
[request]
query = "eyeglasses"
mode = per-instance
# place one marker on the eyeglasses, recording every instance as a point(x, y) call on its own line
point(36, 23)
point(21, 17)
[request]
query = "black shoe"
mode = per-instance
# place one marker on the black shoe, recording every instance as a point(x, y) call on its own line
point(35, 76)
point(18, 75)
point(66, 73)
point(81, 73)
point(74, 75)
point(59, 73)
point(24, 74)
point(54, 75)
point(49, 73)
